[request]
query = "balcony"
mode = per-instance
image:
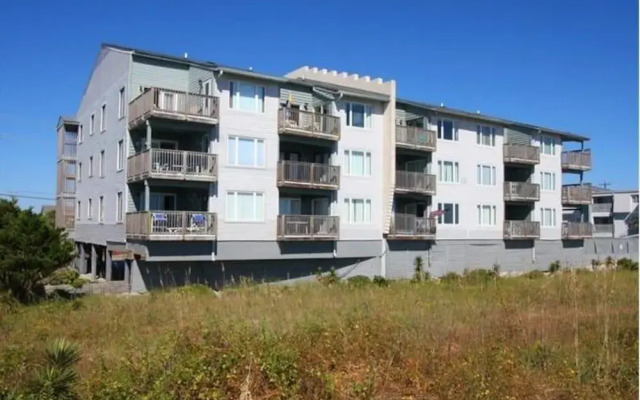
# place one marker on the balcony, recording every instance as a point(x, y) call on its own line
point(414, 138)
point(603, 230)
point(516, 230)
point(173, 165)
point(415, 182)
point(579, 160)
point(172, 225)
point(602, 208)
point(410, 227)
point(521, 191)
point(308, 227)
point(576, 194)
point(308, 124)
point(308, 175)
point(521, 154)
point(173, 105)
point(577, 230)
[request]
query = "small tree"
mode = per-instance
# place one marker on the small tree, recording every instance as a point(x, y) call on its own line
point(419, 274)
point(31, 248)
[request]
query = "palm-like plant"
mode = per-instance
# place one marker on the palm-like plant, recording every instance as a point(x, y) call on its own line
point(57, 378)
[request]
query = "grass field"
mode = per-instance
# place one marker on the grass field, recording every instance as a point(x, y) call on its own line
point(568, 336)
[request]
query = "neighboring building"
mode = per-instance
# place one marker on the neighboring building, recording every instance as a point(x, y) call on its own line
point(67, 129)
point(193, 171)
point(611, 211)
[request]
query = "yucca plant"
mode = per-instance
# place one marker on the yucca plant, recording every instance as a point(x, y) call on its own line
point(57, 378)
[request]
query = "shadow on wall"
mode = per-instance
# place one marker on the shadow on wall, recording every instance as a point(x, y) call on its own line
point(217, 275)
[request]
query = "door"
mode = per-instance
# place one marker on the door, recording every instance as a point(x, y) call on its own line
point(206, 101)
point(162, 201)
point(204, 144)
point(320, 206)
point(417, 166)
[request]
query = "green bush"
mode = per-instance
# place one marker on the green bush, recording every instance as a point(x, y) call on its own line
point(627, 264)
point(451, 277)
point(359, 281)
point(479, 276)
point(419, 273)
point(555, 266)
point(535, 274)
point(66, 276)
point(57, 377)
point(380, 281)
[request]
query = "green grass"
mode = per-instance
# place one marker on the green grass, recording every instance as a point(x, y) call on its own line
point(568, 336)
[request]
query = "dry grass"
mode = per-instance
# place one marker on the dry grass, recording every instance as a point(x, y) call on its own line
point(570, 336)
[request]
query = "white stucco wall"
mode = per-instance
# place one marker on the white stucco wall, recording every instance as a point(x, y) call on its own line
point(549, 199)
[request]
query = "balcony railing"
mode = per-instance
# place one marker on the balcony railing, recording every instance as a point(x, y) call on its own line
point(172, 164)
point(579, 160)
point(172, 225)
point(603, 230)
point(521, 191)
point(408, 226)
point(415, 138)
point(415, 182)
point(309, 175)
point(521, 230)
point(576, 194)
point(305, 123)
point(308, 227)
point(577, 230)
point(602, 208)
point(173, 104)
point(521, 154)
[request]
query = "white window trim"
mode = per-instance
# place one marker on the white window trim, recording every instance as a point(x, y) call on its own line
point(78, 210)
point(235, 101)
point(348, 168)
point(89, 209)
point(103, 117)
point(440, 206)
point(554, 142)
point(122, 101)
point(101, 209)
point(92, 124)
point(440, 128)
point(237, 221)
point(120, 160)
point(90, 172)
point(255, 152)
point(554, 221)
point(80, 134)
point(119, 218)
point(493, 215)
point(348, 218)
point(479, 135)
point(348, 121)
point(552, 176)
point(101, 163)
point(456, 172)
point(494, 175)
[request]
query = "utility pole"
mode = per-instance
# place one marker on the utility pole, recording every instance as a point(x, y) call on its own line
point(605, 184)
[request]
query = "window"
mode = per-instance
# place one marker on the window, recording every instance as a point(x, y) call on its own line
point(451, 214)
point(448, 171)
point(79, 177)
point(80, 134)
point(119, 207)
point(547, 217)
point(78, 210)
point(447, 129)
point(548, 181)
point(103, 118)
point(89, 209)
point(485, 135)
point(245, 152)
point(92, 124)
point(357, 211)
point(245, 206)
point(120, 160)
point(358, 115)
point(486, 215)
point(90, 166)
point(548, 144)
point(101, 209)
point(121, 103)
point(246, 96)
point(634, 198)
point(486, 175)
point(101, 166)
point(357, 163)
point(289, 206)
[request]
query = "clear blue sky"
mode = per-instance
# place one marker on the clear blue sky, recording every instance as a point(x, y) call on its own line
point(569, 64)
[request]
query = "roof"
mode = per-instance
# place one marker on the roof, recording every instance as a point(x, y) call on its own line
point(599, 191)
point(495, 120)
point(67, 119)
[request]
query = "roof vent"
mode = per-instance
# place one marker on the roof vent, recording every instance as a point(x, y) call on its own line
point(477, 111)
point(441, 104)
point(250, 68)
point(186, 55)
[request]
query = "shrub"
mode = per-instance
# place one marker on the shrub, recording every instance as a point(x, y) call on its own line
point(451, 277)
point(380, 281)
point(57, 378)
point(419, 273)
point(479, 276)
point(535, 274)
point(610, 262)
point(359, 281)
point(329, 279)
point(555, 266)
point(66, 276)
point(626, 264)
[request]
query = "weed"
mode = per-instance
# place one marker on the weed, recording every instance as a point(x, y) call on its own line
point(626, 264)
point(380, 281)
point(555, 266)
point(359, 281)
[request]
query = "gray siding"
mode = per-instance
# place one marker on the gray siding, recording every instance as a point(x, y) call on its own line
point(199, 74)
point(298, 96)
point(149, 73)
point(517, 137)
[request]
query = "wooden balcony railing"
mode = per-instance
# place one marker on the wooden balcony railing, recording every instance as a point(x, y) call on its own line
point(408, 226)
point(576, 230)
point(308, 227)
point(521, 230)
point(173, 104)
point(415, 182)
point(602, 208)
point(521, 154)
point(172, 225)
point(310, 175)
point(576, 194)
point(306, 123)
point(603, 230)
point(579, 160)
point(172, 164)
point(521, 191)
point(415, 138)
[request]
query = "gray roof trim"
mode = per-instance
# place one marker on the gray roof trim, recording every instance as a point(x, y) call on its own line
point(66, 119)
point(567, 136)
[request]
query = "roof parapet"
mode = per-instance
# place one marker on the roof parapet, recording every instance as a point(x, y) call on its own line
point(352, 80)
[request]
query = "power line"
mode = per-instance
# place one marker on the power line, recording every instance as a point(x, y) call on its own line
point(24, 196)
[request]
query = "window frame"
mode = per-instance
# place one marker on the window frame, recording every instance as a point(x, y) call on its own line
point(480, 135)
point(455, 211)
point(348, 161)
point(235, 205)
point(349, 209)
point(543, 143)
point(89, 209)
point(120, 155)
point(552, 217)
point(78, 210)
point(80, 134)
point(119, 208)
point(79, 172)
point(480, 175)
point(367, 117)
point(455, 171)
point(455, 136)
point(259, 90)
point(101, 209)
point(255, 140)
point(90, 172)
point(121, 102)
point(552, 181)
point(103, 117)
point(493, 213)
point(92, 124)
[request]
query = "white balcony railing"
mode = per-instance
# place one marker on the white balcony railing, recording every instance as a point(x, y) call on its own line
point(171, 225)
point(310, 124)
point(172, 164)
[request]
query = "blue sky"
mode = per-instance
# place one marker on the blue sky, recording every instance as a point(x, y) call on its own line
point(568, 64)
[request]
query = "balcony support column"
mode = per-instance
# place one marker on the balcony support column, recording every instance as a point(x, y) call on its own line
point(148, 124)
point(147, 195)
point(108, 264)
point(82, 261)
point(94, 261)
